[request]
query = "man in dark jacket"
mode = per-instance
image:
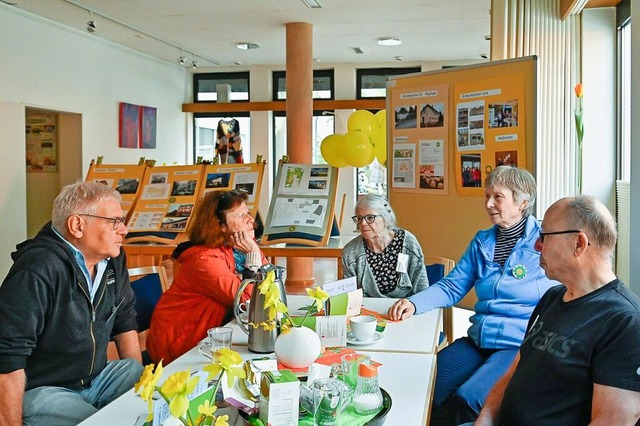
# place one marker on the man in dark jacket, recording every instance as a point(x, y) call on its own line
point(65, 296)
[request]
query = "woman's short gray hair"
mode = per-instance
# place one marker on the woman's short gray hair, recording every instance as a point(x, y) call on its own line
point(519, 181)
point(80, 197)
point(381, 206)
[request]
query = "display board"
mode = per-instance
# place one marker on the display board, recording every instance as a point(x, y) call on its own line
point(302, 209)
point(448, 130)
point(124, 178)
point(159, 200)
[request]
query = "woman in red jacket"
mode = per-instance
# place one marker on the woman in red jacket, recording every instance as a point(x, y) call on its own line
point(211, 262)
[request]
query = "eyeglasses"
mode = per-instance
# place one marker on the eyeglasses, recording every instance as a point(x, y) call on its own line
point(546, 234)
point(369, 218)
point(115, 220)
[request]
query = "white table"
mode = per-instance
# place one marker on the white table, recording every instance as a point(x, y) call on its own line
point(407, 355)
point(407, 377)
point(417, 334)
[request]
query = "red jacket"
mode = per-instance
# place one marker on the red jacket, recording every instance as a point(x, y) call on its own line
point(200, 297)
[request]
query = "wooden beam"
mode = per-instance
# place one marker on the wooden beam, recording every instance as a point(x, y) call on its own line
point(568, 5)
point(318, 105)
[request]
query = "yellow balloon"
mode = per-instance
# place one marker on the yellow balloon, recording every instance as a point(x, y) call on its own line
point(361, 121)
point(380, 150)
point(357, 150)
point(381, 117)
point(330, 148)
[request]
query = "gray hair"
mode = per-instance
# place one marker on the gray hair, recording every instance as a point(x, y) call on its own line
point(381, 206)
point(588, 214)
point(519, 181)
point(80, 197)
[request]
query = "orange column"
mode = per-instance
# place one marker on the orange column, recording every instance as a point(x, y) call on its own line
point(299, 109)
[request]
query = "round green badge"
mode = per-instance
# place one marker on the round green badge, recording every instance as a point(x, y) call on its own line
point(519, 272)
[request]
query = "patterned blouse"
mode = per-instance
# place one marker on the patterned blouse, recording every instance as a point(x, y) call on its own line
point(383, 265)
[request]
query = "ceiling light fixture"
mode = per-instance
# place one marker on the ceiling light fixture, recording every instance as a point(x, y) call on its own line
point(389, 41)
point(194, 64)
point(182, 60)
point(91, 26)
point(312, 4)
point(245, 45)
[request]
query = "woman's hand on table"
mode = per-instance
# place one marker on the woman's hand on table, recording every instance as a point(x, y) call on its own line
point(401, 309)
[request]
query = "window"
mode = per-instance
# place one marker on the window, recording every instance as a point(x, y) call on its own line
point(323, 121)
point(624, 90)
point(204, 86)
point(372, 83)
point(205, 126)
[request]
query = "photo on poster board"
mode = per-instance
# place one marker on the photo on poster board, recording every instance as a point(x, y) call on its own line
point(489, 119)
point(418, 157)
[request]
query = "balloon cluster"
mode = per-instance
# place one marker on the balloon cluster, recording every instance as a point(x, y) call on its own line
point(365, 140)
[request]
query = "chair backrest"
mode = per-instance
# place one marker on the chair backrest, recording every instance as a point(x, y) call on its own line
point(148, 284)
point(437, 268)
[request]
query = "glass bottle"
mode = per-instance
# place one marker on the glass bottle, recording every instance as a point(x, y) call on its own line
point(367, 398)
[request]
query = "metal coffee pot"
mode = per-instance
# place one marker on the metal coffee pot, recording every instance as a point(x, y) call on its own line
point(260, 340)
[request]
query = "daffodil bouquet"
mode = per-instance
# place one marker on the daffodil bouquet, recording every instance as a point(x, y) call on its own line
point(179, 385)
point(273, 305)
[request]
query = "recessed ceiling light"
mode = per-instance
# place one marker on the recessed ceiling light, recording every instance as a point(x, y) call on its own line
point(389, 41)
point(245, 45)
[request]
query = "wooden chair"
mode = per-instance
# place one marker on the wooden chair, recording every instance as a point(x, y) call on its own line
point(468, 301)
point(437, 268)
point(148, 284)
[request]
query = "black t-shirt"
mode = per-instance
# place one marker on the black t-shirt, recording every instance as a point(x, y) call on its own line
point(569, 347)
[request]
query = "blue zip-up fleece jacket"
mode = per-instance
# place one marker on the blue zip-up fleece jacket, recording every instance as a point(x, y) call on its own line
point(48, 325)
point(504, 302)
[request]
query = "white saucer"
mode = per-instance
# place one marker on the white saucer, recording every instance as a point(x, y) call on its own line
point(353, 341)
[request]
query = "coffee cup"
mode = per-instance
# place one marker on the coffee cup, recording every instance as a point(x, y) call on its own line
point(363, 327)
point(217, 338)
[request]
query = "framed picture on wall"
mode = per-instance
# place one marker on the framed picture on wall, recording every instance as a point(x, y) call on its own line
point(148, 127)
point(129, 125)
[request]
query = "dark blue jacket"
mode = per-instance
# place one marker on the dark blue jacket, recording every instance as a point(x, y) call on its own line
point(48, 325)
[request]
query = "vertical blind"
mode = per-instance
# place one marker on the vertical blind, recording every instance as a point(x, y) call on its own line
point(534, 27)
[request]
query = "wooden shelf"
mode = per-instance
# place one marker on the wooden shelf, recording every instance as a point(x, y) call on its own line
point(318, 105)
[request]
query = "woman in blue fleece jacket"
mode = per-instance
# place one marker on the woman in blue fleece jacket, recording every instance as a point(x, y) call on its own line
point(503, 266)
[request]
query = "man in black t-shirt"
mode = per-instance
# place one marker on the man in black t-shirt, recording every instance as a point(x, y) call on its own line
point(579, 362)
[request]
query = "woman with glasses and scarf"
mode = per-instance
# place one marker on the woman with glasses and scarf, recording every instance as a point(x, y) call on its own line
point(503, 266)
point(221, 242)
point(387, 261)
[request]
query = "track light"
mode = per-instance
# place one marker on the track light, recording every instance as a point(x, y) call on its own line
point(194, 64)
point(91, 26)
point(182, 60)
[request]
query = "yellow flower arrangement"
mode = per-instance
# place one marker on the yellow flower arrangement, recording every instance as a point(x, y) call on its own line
point(273, 305)
point(180, 384)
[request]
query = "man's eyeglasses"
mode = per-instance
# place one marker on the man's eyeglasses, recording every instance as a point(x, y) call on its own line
point(543, 235)
point(369, 218)
point(115, 220)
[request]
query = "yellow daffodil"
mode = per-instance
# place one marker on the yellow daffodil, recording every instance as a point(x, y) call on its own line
point(177, 387)
point(206, 409)
point(318, 295)
point(268, 282)
point(147, 384)
point(222, 421)
point(285, 327)
point(225, 360)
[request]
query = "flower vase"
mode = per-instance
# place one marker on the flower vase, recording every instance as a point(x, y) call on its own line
point(298, 348)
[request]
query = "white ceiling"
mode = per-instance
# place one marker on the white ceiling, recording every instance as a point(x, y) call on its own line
point(430, 30)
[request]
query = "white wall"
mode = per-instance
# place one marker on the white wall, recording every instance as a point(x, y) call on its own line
point(48, 66)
